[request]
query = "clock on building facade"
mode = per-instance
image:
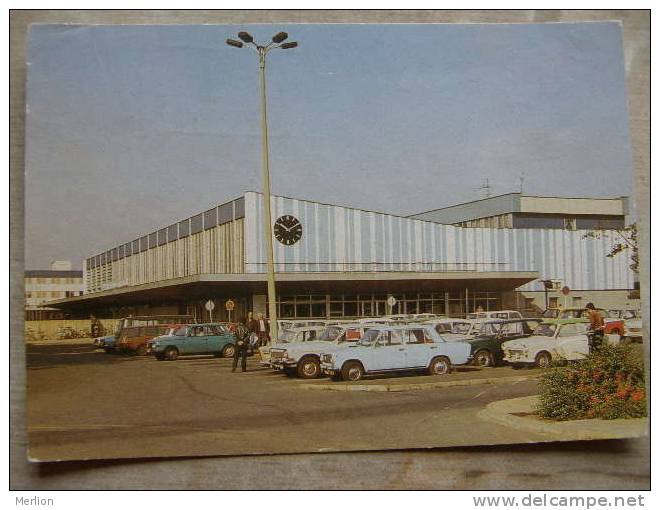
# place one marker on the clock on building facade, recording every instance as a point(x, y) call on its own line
point(287, 229)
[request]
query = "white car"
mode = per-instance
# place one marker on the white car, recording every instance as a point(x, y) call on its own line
point(290, 336)
point(447, 326)
point(551, 341)
point(466, 330)
point(395, 348)
point(495, 314)
point(304, 358)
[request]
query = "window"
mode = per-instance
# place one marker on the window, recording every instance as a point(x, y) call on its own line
point(153, 240)
point(198, 331)
point(225, 213)
point(210, 218)
point(240, 208)
point(162, 236)
point(196, 224)
point(569, 224)
point(390, 338)
point(416, 336)
point(511, 328)
point(184, 228)
point(568, 330)
point(553, 302)
point(172, 232)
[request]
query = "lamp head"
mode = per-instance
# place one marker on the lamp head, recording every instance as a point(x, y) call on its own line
point(289, 45)
point(279, 37)
point(234, 43)
point(245, 37)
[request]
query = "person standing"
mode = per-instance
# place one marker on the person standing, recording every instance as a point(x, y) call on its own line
point(261, 327)
point(242, 334)
point(596, 327)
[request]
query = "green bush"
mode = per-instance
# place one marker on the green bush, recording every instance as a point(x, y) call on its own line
point(608, 384)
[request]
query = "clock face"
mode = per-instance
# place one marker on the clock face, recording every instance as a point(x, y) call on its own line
point(287, 230)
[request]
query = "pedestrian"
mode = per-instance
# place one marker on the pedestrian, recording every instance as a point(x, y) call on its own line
point(242, 335)
point(596, 328)
point(261, 327)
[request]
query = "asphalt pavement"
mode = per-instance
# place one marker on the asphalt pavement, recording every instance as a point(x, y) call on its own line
point(85, 404)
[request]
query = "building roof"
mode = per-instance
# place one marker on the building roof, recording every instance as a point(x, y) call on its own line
point(520, 203)
point(52, 273)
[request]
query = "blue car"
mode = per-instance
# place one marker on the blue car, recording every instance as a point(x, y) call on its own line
point(190, 339)
point(395, 348)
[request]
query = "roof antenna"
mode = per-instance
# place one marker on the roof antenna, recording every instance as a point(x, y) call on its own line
point(485, 187)
point(522, 182)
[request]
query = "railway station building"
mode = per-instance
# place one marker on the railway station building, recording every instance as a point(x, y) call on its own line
point(333, 261)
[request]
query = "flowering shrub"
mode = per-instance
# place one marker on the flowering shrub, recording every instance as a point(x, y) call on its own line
point(608, 384)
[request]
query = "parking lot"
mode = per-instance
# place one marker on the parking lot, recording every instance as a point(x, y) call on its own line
point(83, 403)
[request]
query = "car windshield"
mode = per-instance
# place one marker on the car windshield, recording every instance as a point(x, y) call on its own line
point(630, 314)
point(182, 331)
point(288, 336)
point(443, 327)
point(330, 334)
point(489, 328)
point(461, 328)
point(369, 337)
point(545, 330)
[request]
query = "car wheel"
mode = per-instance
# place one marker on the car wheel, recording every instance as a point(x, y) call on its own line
point(309, 368)
point(171, 353)
point(352, 371)
point(484, 358)
point(141, 350)
point(228, 351)
point(543, 359)
point(440, 366)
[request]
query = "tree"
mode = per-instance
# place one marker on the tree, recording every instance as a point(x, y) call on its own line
point(626, 241)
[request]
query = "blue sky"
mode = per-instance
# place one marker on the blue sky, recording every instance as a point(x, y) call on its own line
point(130, 128)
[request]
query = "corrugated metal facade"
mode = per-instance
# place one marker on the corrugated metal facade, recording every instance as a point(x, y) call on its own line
point(343, 239)
point(212, 242)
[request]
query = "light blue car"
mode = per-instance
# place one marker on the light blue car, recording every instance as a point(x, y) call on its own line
point(395, 348)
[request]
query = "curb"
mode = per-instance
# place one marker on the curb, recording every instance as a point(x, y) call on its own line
point(414, 386)
point(501, 412)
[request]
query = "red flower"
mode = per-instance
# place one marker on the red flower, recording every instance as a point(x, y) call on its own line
point(637, 395)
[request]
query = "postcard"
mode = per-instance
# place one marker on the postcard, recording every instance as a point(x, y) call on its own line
point(265, 239)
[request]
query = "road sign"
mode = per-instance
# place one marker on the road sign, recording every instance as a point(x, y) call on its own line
point(229, 305)
point(391, 301)
point(210, 305)
point(565, 290)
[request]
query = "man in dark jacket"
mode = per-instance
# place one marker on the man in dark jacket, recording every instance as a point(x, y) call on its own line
point(242, 334)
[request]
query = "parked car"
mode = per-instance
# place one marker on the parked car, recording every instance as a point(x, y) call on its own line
point(290, 336)
point(486, 348)
point(286, 324)
point(395, 348)
point(552, 340)
point(109, 343)
point(134, 339)
point(469, 329)
point(304, 358)
point(446, 326)
point(495, 314)
point(212, 338)
point(613, 325)
point(632, 323)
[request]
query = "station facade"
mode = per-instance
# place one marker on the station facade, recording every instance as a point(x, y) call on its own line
point(346, 262)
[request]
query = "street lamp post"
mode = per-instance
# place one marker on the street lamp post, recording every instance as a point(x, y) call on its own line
point(277, 42)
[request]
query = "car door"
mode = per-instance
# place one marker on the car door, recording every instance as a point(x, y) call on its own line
point(196, 341)
point(572, 341)
point(388, 352)
point(214, 338)
point(416, 348)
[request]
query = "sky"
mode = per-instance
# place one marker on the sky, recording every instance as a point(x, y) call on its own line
point(131, 128)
